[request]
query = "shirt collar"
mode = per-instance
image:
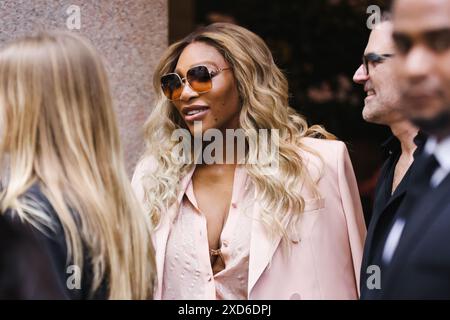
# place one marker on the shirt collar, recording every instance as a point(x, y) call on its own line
point(391, 145)
point(240, 184)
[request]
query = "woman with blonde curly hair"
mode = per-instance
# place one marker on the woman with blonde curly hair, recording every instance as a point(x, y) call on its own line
point(235, 230)
point(65, 179)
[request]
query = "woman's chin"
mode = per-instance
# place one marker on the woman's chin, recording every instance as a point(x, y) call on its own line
point(200, 127)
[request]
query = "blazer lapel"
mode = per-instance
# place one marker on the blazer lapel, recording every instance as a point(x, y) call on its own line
point(262, 245)
point(262, 248)
point(380, 200)
point(421, 215)
point(371, 233)
point(398, 195)
point(161, 234)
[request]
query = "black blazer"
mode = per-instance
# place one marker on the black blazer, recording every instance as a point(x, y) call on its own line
point(420, 266)
point(54, 245)
point(385, 208)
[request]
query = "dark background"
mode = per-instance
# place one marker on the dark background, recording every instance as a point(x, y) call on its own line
point(319, 45)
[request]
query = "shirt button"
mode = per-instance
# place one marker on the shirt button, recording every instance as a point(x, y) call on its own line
point(225, 243)
point(234, 205)
point(209, 279)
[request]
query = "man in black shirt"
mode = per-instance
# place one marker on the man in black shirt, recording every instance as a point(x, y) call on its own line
point(382, 107)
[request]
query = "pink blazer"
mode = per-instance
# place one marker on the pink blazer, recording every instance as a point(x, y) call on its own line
point(325, 263)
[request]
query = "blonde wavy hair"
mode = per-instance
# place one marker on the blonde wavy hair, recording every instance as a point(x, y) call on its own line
point(59, 131)
point(263, 92)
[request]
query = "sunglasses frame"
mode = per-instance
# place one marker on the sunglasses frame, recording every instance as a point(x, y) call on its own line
point(375, 57)
point(185, 81)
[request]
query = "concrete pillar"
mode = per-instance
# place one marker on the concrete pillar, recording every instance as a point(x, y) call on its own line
point(131, 35)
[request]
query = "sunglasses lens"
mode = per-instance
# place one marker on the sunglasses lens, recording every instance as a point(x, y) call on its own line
point(171, 86)
point(199, 79)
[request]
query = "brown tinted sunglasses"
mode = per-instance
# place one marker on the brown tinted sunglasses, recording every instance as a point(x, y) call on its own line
point(198, 78)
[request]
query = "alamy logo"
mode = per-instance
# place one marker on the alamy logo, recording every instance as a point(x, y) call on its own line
point(375, 16)
point(374, 279)
point(235, 146)
point(73, 22)
point(74, 278)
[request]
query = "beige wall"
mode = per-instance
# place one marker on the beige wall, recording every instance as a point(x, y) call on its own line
point(131, 35)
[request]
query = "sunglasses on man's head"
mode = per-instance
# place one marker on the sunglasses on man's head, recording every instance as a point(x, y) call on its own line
point(374, 58)
point(198, 78)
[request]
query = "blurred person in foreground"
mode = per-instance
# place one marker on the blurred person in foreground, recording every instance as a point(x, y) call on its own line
point(65, 175)
point(416, 257)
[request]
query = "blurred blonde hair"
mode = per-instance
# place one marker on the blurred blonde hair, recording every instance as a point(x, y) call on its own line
point(263, 91)
point(59, 130)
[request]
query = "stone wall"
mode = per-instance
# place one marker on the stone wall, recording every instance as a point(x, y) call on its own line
point(130, 34)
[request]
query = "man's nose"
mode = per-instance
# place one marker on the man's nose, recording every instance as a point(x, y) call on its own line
point(361, 75)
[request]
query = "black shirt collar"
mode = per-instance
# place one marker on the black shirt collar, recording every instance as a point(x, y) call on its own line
point(392, 144)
